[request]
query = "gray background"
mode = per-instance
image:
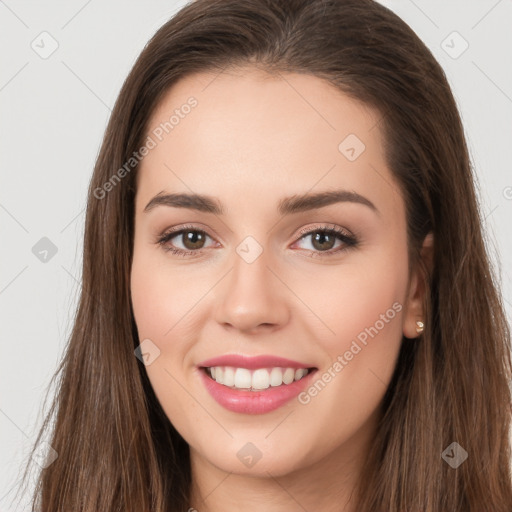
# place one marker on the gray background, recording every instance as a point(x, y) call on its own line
point(53, 114)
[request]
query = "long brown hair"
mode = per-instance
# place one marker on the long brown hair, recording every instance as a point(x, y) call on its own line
point(117, 450)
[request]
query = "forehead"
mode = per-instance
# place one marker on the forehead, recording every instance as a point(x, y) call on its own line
point(245, 132)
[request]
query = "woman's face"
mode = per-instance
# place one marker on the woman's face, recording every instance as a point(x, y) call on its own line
point(256, 274)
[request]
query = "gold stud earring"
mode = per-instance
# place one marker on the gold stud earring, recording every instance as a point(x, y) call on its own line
point(419, 327)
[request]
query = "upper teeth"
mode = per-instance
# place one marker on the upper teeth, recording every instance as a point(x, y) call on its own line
point(262, 378)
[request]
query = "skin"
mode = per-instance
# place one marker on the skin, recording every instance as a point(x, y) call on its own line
point(253, 136)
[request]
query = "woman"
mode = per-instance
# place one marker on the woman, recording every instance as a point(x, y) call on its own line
point(339, 345)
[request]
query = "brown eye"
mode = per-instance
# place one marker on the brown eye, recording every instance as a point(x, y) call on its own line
point(193, 239)
point(323, 241)
point(184, 241)
point(327, 240)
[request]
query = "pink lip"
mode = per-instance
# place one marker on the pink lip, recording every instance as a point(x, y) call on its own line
point(252, 363)
point(254, 402)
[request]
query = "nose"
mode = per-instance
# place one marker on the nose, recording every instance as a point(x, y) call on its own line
point(251, 298)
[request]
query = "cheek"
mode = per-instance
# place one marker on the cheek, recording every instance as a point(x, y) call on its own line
point(163, 296)
point(364, 310)
point(163, 305)
point(169, 309)
point(355, 299)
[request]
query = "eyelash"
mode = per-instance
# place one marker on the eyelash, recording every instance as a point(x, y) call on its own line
point(349, 241)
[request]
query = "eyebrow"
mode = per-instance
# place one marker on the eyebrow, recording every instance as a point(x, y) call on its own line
point(287, 206)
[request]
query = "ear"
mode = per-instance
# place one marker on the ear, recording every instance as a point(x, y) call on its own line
point(417, 287)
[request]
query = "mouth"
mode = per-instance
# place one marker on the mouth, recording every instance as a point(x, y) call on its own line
point(255, 384)
point(259, 379)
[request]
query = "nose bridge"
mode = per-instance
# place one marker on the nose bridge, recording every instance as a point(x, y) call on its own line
point(251, 295)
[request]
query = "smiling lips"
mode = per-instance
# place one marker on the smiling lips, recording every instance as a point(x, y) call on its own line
point(254, 385)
